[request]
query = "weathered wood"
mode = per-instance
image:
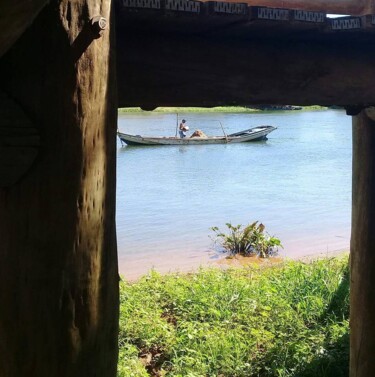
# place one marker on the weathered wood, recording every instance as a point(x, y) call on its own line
point(353, 7)
point(15, 17)
point(163, 62)
point(362, 324)
point(14, 163)
point(19, 142)
point(58, 260)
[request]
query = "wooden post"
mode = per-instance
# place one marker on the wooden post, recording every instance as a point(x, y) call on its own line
point(58, 257)
point(362, 316)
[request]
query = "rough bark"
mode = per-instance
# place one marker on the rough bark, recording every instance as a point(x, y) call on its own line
point(362, 361)
point(58, 258)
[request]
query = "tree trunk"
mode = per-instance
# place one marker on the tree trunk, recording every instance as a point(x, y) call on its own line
point(58, 257)
point(362, 361)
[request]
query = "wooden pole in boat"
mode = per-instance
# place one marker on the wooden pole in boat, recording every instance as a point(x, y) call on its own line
point(176, 123)
point(225, 135)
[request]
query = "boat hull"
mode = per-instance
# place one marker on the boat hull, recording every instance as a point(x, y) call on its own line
point(252, 134)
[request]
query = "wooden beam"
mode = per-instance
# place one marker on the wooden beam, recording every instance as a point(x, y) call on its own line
point(58, 257)
point(243, 65)
point(351, 7)
point(362, 303)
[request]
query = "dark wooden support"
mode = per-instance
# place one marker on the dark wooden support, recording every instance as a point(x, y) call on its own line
point(184, 62)
point(58, 258)
point(15, 17)
point(19, 142)
point(362, 316)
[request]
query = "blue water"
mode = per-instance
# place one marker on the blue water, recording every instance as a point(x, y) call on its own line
point(298, 183)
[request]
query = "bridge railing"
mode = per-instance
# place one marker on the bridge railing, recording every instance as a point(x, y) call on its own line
point(251, 13)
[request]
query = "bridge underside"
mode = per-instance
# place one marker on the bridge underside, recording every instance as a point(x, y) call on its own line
point(188, 60)
point(58, 111)
point(169, 59)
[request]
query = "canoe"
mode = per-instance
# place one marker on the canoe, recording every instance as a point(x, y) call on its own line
point(252, 134)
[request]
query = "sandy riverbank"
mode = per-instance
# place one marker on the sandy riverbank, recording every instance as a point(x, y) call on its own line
point(131, 270)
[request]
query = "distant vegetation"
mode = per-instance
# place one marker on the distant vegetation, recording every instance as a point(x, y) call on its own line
point(173, 110)
point(281, 321)
point(221, 109)
point(247, 240)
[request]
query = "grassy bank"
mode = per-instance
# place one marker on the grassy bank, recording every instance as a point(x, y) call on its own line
point(220, 109)
point(288, 320)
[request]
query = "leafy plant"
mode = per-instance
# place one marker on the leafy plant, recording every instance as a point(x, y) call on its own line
point(285, 320)
point(251, 239)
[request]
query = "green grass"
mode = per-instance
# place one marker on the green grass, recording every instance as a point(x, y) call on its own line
point(219, 109)
point(288, 320)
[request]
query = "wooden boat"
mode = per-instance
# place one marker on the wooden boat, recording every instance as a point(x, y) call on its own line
point(252, 134)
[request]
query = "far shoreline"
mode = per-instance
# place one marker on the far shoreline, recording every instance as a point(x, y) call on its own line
point(218, 109)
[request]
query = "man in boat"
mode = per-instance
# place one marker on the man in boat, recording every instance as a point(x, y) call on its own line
point(183, 128)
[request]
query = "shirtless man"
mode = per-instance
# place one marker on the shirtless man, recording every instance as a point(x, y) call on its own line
point(183, 128)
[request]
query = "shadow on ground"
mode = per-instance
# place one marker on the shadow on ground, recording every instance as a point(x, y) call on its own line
point(334, 360)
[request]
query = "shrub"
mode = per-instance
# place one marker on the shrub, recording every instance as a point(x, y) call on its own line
point(248, 240)
point(289, 320)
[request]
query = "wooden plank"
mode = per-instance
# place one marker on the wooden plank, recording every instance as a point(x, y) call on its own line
point(17, 130)
point(16, 17)
point(14, 163)
point(19, 142)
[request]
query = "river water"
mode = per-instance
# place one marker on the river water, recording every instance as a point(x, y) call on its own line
point(298, 183)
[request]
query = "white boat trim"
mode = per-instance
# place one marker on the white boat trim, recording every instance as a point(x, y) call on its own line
point(252, 134)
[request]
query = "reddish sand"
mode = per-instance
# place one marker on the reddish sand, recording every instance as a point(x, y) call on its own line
point(133, 269)
point(241, 261)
